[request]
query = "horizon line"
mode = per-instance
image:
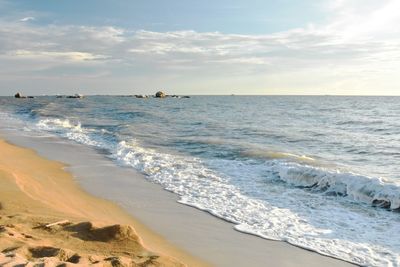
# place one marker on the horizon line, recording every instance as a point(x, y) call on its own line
point(2, 95)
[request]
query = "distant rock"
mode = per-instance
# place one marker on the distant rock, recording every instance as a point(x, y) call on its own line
point(160, 94)
point(75, 96)
point(19, 95)
point(179, 96)
point(141, 96)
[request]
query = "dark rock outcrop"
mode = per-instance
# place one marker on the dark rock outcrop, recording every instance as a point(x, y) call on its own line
point(160, 94)
point(141, 96)
point(75, 96)
point(19, 95)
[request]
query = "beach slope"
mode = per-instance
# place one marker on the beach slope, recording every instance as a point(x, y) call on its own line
point(46, 218)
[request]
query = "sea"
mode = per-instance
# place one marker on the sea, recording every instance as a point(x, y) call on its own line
point(318, 172)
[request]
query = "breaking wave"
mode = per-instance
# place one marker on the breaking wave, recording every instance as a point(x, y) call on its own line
point(370, 190)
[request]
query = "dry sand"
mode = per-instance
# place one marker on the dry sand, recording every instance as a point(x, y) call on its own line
point(35, 192)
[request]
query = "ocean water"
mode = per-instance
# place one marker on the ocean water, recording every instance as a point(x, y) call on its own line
point(320, 172)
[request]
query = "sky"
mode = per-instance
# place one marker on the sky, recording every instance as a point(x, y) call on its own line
point(326, 47)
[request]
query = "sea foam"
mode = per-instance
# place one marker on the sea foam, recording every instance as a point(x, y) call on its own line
point(371, 190)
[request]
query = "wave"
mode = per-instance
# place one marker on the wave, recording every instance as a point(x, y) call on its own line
point(299, 171)
point(68, 129)
point(274, 210)
point(244, 149)
point(264, 154)
point(375, 191)
point(52, 124)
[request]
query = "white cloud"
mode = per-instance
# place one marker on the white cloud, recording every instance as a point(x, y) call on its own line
point(27, 19)
point(365, 18)
point(65, 56)
point(108, 34)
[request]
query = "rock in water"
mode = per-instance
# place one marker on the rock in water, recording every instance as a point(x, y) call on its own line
point(160, 94)
point(141, 96)
point(18, 95)
point(75, 96)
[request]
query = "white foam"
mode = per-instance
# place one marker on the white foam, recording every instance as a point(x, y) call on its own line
point(280, 215)
point(68, 129)
point(365, 189)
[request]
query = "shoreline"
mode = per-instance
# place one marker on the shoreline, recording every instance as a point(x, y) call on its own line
point(35, 191)
point(206, 237)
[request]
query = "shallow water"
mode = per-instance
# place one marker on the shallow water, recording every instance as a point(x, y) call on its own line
point(318, 172)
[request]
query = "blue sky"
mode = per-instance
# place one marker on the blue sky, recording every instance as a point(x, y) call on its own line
point(254, 17)
point(200, 47)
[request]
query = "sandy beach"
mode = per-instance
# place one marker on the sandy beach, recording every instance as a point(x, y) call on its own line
point(46, 218)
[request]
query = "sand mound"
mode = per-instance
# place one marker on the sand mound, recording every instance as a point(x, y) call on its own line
point(26, 240)
point(114, 233)
point(86, 231)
